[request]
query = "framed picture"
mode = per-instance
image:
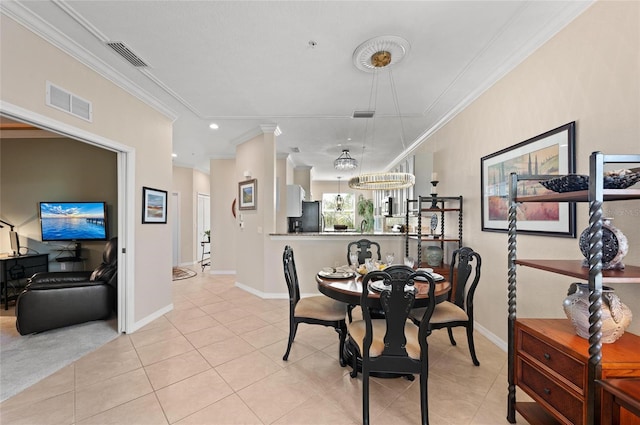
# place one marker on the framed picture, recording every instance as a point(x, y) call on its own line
point(248, 194)
point(154, 205)
point(550, 153)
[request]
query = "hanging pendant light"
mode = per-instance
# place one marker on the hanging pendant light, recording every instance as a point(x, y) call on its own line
point(339, 200)
point(344, 162)
point(371, 56)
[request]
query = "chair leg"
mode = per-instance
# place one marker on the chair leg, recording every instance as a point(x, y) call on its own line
point(349, 308)
point(342, 331)
point(293, 328)
point(450, 331)
point(472, 346)
point(354, 360)
point(424, 398)
point(365, 396)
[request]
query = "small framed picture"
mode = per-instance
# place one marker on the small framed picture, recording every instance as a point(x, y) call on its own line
point(248, 194)
point(154, 205)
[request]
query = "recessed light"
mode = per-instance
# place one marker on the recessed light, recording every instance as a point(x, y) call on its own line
point(174, 155)
point(213, 126)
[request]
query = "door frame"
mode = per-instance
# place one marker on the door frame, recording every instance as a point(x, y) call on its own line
point(126, 203)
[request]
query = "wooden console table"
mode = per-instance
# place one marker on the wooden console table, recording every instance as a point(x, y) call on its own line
point(620, 401)
point(20, 267)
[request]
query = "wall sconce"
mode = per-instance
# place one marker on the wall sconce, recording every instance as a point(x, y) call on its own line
point(247, 174)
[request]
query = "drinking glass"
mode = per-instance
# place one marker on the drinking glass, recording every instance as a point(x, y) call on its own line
point(409, 261)
point(353, 259)
point(390, 257)
point(369, 264)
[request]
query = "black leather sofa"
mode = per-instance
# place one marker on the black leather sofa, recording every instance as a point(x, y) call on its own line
point(56, 299)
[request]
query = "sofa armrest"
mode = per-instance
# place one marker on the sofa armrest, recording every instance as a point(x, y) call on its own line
point(55, 277)
point(39, 286)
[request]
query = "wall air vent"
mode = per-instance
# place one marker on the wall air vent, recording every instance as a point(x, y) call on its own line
point(63, 100)
point(295, 150)
point(363, 114)
point(121, 49)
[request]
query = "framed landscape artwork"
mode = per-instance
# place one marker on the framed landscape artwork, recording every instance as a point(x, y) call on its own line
point(154, 205)
point(550, 153)
point(247, 194)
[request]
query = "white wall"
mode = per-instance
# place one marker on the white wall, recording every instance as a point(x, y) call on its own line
point(588, 73)
point(223, 192)
point(28, 62)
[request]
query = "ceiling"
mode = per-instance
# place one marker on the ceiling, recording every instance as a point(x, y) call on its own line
point(243, 64)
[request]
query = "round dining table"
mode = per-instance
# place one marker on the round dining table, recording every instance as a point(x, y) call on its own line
point(349, 290)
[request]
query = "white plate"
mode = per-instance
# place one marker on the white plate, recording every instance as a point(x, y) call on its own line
point(436, 277)
point(379, 286)
point(336, 275)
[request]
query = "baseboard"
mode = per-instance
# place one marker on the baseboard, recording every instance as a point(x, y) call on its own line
point(490, 336)
point(150, 318)
point(222, 272)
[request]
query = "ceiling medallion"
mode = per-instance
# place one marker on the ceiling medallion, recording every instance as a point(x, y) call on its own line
point(345, 162)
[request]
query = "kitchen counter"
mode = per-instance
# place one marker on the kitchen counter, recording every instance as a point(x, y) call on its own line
point(350, 234)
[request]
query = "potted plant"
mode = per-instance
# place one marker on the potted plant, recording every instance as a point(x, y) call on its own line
point(365, 211)
point(207, 235)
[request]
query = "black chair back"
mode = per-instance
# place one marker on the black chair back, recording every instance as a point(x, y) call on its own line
point(291, 276)
point(107, 271)
point(396, 302)
point(462, 261)
point(363, 247)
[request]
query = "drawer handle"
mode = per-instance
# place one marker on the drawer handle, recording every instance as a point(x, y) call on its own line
point(547, 391)
point(547, 356)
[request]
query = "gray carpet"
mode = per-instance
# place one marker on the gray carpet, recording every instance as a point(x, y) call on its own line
point(25, 360)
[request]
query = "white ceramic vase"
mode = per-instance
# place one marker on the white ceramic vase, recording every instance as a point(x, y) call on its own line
point(616, 316)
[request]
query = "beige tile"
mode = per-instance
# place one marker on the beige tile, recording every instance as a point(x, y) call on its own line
point(227, 350)
point(207, 298)
point(320, 410)
point(209, 336)
point(228, 315)
point(105, 395)
point(142, 338)
point(184, 314)
point(195, 324)
point(145, 410)
point(162, 350)
point(54, 410)
point(192, 394)
point(53, 385)
point(104, 364)
point(228, 411)
point(321, 368)
point(292, 389)
point(247, 324)
point(265, 336)
point(247, 369)
point(298, 351)
point(176, 368)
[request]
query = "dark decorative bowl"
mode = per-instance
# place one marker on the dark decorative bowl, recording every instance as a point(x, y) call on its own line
point(339, 227)
point(568, 183)
point(619, 179)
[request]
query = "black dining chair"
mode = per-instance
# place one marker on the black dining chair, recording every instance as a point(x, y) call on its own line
point(459, 311)
point(363, 248)
point(392, 344)
point(316, 310)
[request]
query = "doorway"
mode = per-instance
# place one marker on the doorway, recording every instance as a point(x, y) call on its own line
point(203, 220)
point(125, 210)
point(175, 231)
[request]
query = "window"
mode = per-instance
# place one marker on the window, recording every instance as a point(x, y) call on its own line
point(331, 216)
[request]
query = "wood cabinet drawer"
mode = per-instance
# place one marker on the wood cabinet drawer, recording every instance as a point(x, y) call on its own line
point(566, 366)
point(546, 391)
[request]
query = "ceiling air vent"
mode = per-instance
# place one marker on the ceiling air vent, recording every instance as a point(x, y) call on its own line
point(363, 114)
point(63, 100)
point(295, 150)
point(121, 49)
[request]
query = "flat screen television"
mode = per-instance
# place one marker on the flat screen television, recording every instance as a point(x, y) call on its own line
point(74, 221)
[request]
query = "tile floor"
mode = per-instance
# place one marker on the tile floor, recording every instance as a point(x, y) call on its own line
point(217, 359)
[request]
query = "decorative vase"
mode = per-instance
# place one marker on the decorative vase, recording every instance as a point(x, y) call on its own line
point(614, 246)
point(434, 255)
point(616, 316)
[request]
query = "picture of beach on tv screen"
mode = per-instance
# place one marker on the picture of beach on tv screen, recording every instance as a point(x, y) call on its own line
point(73, 221)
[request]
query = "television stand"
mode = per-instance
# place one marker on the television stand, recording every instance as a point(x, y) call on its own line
point(73, 255)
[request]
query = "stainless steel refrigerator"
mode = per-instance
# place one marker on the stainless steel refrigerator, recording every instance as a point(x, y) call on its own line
point(309, 221)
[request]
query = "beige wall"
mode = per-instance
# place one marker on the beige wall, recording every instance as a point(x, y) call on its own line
point(59, 169)
point(28, 62)
point(188, 183)
point(224, 190)
point(588, 73)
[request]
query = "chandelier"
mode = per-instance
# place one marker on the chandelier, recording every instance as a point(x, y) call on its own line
point(371, 56)
point(344, 162)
